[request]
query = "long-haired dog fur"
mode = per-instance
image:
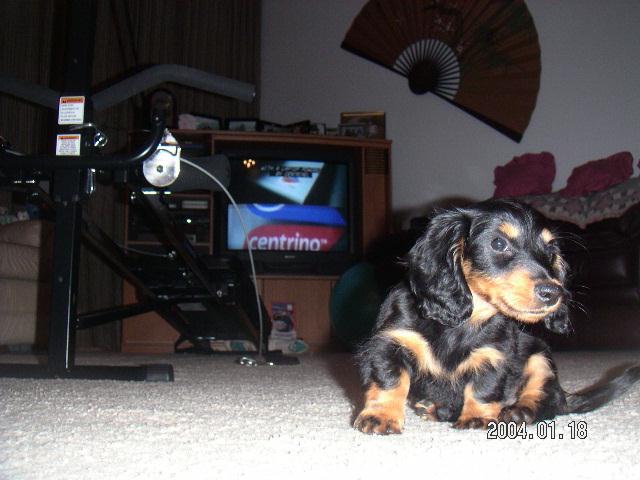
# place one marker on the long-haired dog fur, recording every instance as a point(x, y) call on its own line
point(450, 336)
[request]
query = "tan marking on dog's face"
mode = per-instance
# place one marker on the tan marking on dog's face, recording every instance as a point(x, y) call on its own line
point(510, 230)
point(482, 309)
point(546, 235)
point(385, 406)
point(537, 371)
point(511, 294)
point(516, 291)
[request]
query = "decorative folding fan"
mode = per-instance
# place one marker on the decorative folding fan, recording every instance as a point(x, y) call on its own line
point(481, 55)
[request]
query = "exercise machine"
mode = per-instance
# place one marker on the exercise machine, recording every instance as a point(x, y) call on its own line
point(184, 276)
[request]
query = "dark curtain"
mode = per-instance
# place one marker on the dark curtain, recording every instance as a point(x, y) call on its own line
point(217, 36)
point(25, 52)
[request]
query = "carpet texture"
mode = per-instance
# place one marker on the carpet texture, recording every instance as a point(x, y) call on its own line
point(225, 421)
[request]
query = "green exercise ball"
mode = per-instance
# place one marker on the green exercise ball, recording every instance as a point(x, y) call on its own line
point(354, 304)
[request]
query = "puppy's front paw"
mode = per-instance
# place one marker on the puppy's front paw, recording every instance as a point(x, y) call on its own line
point(379, 423)
point(473, 422)
point(516, 414)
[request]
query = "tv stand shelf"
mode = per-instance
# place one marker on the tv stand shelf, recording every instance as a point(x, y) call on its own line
point(308, 294)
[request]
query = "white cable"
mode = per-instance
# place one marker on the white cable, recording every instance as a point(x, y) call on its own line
point(246, 234)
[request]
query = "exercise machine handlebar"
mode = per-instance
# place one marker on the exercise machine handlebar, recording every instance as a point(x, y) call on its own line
point(179, 74)
point(30, 92)
point(108, 97)
point(148, 78)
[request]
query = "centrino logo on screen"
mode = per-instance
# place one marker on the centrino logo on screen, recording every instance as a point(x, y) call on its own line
point(301, 238)
point(287, 242)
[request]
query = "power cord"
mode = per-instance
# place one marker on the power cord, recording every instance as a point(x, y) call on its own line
point(248, 361)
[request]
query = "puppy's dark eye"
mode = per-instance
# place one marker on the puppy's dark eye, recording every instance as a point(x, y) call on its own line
point(499, 244)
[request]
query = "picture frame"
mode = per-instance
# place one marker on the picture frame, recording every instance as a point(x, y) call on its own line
point(375, 122)
point(359, 130)
point(272, 127)
point(243, 124)
point(318, 129)
point(299, 127)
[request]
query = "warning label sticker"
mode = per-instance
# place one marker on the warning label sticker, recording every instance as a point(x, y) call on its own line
point(71, 110)
point(68, 144)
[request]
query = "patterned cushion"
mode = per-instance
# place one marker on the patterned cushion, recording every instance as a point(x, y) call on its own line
point(582, 211)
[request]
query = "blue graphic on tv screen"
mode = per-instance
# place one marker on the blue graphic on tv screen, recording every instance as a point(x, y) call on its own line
point(280, 215)
point(299, 213)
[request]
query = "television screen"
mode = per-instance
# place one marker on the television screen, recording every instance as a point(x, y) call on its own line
point(289, 205)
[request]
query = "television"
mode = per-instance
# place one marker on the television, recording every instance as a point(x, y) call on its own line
point(299, 204)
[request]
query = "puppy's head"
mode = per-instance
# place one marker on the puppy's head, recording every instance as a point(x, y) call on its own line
point(494, 257)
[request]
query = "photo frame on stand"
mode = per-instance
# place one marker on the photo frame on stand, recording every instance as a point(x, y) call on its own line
point(374, 122)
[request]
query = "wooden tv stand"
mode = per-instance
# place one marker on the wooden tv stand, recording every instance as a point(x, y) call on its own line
point(309, 295)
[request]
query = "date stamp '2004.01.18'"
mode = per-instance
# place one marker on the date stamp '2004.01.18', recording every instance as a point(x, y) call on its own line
point(546, 430)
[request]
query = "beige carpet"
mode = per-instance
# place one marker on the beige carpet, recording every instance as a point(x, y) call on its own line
point(220, 420)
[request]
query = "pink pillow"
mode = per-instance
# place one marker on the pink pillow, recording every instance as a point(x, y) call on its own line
point(599, 174)
point(528, 174)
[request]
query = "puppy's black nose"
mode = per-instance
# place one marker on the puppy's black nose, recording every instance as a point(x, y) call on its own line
point(548, 293)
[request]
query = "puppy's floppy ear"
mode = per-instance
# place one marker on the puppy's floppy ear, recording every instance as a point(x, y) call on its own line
point(435, 269)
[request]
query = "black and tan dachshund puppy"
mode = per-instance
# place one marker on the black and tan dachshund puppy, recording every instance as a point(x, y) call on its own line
point(450, 337)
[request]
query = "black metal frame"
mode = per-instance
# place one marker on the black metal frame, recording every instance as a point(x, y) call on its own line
point(71, 177)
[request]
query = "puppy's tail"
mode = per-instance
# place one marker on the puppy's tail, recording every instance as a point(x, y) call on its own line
point(596, 396)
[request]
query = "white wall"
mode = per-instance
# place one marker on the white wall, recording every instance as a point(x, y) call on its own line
point(588, 105)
